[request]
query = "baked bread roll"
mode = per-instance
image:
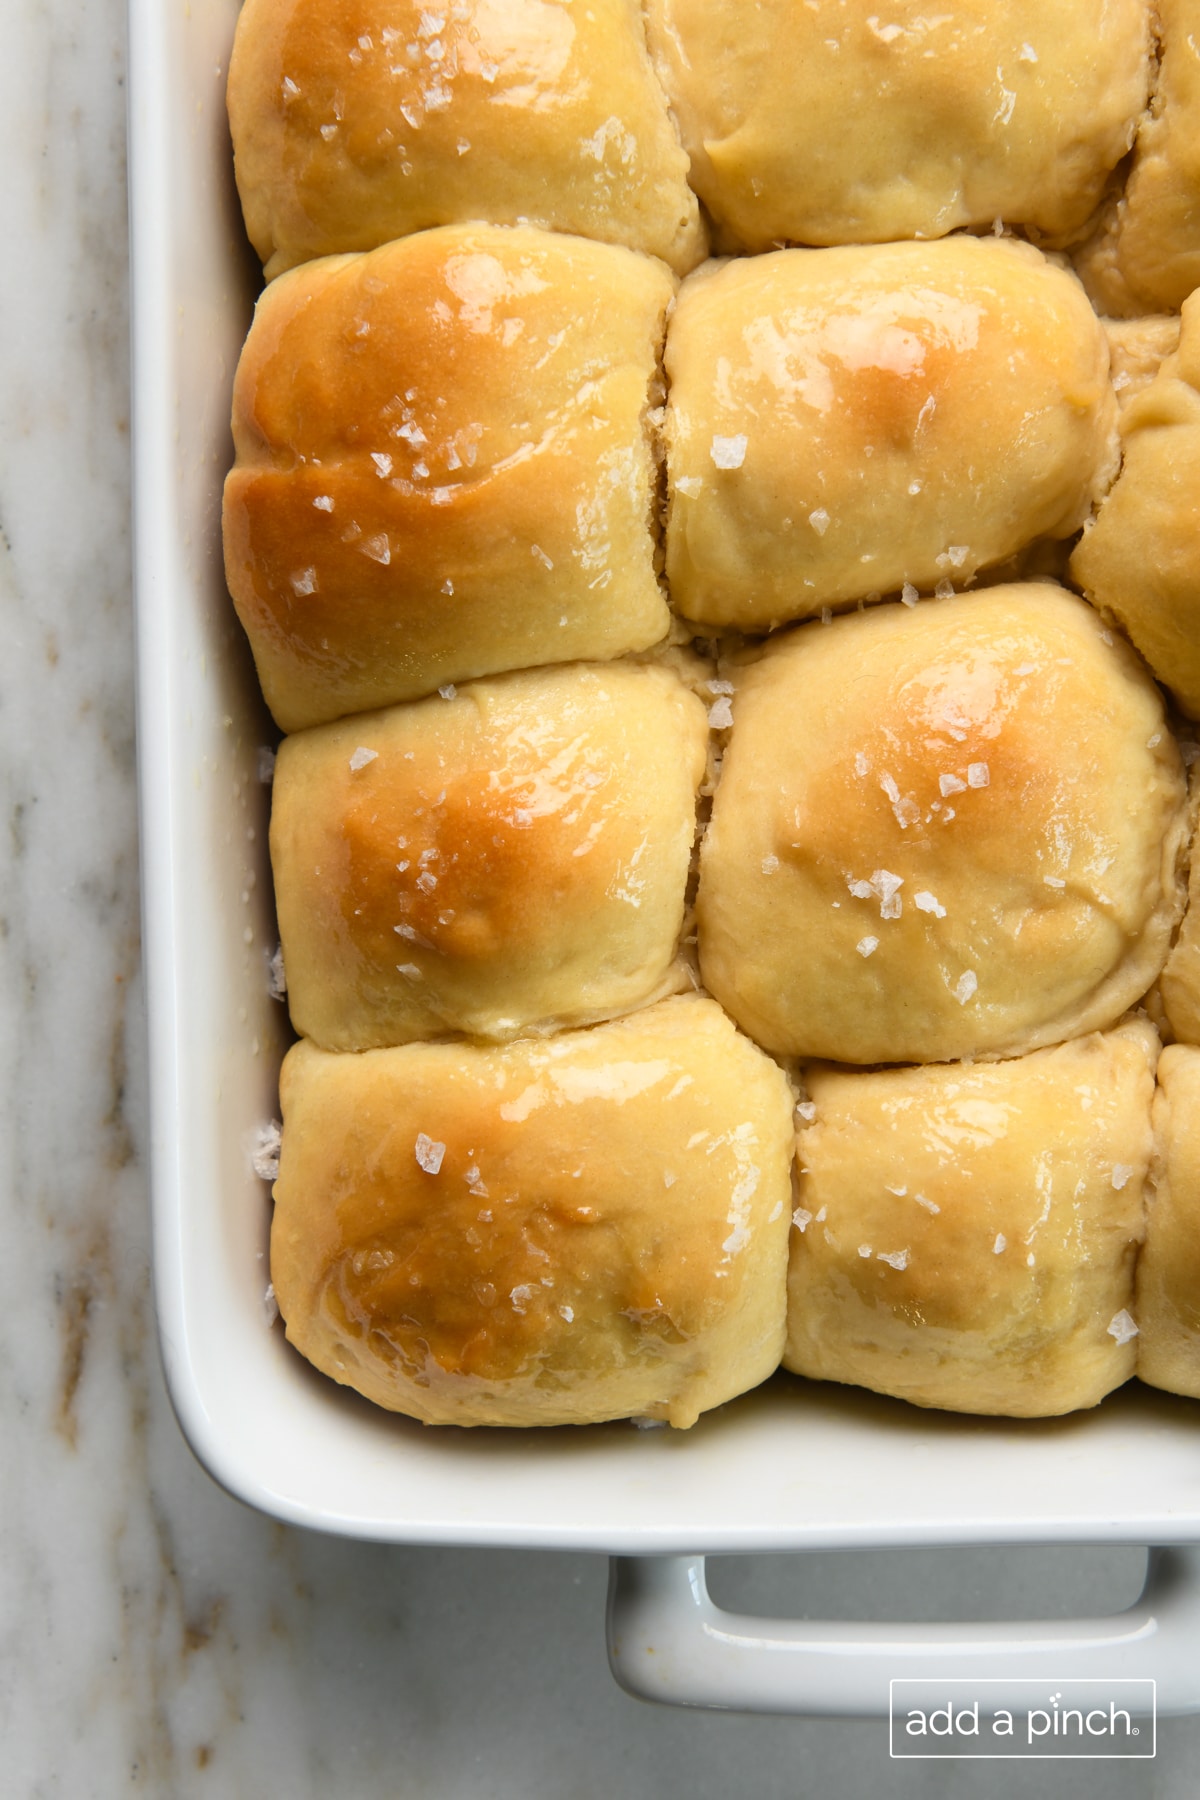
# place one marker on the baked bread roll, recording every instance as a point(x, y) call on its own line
point(966, 1236)
point(841, 422)
point(830, 122)
point(1145, 257)
point(1167, 1306)
point(943, 831)
point(588, 1227)
point(1140, 561)
point(444, 466)
point(513, 855)
point(357, 121)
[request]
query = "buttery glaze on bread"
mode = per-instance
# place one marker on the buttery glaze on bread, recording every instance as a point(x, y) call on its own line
point(588, 1227)
point(1145, 256)
point(834, 122)
point(950, 830)
point(444, 466)
point(1167, 1306)
point(512, 856)
point(1140, 561)
point(966, 1236)
point(358, 121)
point(841, 422)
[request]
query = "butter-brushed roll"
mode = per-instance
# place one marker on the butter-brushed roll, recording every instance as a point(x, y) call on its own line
point(358, 121)
point(942, 831)
point(444, 466)
point(837, 122)
point(843, 422)
point(966, 1237)
point(1140, 560)
point(1145, 255)
point(558, 1231)
point(512, 855)
point(1167, 1305)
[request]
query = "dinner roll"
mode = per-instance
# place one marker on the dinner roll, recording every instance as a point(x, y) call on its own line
point(966, 1235)
point(833, 122)
point(942, 831)
point(512, 855)
point(1146, 254)
point(842, 422)
point(588, 1227)
point(1140, 561)
point(444, 466)
point(1167, 1306)
point(357, 121)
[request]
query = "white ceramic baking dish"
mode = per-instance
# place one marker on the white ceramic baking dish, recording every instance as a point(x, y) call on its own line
point(793, 1467)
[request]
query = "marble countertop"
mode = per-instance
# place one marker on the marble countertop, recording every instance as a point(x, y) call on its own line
point(157, 1638)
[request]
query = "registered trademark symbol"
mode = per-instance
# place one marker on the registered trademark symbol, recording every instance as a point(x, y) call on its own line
point(1137, 1731)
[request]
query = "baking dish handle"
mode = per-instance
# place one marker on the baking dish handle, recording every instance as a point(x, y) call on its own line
point(667, 1641)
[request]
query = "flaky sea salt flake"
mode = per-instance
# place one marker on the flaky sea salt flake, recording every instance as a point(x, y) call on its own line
point(1122, 1327)
point(277, 975)
point(965, 986)
point(729, 452)
point(428, 1153)
point(265, 1148)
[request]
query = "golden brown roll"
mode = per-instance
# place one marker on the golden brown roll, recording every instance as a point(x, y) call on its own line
point(588, 1227)
point(513, 855)
point(832, 122)
point(1167, 1307)
point(966, 1235)
point(1145, 256)
point(943, 831)
point(444, 466)
point(357, 121)
point(1140, 561)
point(842, 422)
